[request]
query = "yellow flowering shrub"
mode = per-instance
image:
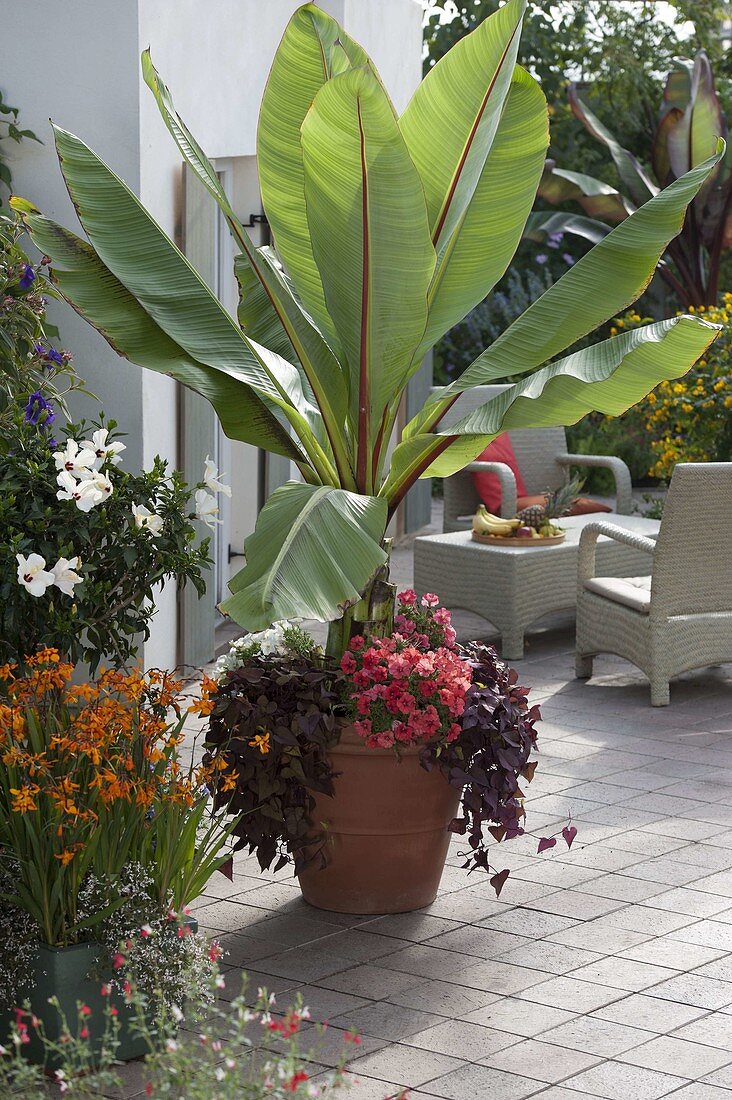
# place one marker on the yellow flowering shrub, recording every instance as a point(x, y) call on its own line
point(688, 419)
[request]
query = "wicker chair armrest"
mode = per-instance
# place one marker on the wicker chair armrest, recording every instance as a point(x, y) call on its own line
point(507, 479)
point(619, 470)
point(588, 545)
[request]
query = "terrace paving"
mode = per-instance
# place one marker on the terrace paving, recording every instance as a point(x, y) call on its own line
point(601, 971)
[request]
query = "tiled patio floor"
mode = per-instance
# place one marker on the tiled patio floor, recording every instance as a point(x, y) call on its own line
point(604, 971)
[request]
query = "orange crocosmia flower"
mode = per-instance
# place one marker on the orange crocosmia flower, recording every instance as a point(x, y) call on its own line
point(7, 670)
point(23, 798)
point(260, 741)
point(204, 707)
point(66, 856)
point(228, 782)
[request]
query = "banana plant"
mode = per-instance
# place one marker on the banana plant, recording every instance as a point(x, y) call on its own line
point(387, 230)
point(690, 123)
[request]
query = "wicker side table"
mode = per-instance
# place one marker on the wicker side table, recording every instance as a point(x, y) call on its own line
point(513, 586)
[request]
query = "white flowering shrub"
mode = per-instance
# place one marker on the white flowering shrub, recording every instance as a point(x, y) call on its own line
point(84, 544)
point(283, 639)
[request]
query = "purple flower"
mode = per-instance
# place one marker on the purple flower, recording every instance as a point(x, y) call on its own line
point(39, 411)
point(51, 355)
point(542, 258)
point(27, 278)
point(569, 260)
point(555, 239)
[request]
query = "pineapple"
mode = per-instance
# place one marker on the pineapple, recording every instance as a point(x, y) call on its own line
point(557, 503)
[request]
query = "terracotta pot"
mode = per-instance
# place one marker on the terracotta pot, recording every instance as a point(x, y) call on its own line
point(386, 832)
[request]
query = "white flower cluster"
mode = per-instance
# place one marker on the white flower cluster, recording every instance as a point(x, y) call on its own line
point(263, 642)
point(35, 578)
point(207, 508)
point(80, 476)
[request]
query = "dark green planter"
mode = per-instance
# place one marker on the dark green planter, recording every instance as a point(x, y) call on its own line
point(64, 973)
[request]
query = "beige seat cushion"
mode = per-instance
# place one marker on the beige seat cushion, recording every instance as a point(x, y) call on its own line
point(634, 592)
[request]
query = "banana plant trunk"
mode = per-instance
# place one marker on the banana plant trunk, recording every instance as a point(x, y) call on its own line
point(372, 616)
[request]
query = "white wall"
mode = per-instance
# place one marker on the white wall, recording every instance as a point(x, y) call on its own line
point(214, 55)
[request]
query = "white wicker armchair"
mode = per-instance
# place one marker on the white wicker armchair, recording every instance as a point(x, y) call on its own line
point(680, 616)
point(543, 460)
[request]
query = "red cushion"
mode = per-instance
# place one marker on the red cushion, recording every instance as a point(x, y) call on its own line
point(487, 485)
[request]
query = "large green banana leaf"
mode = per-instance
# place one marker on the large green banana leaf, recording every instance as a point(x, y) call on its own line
point(313, 50)
point(608, 377)
point(482, 245)
point(456, 110)
point(313, 553)
point(96, 293)
point(371, 241)
point(269, 306)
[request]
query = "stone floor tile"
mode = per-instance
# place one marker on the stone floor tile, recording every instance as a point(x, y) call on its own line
point(554, 958)
point(707, 933)
point(466, 907)
point(361, 945)
point(718, 883)
point(326, 1003)
point(665, 951)
point(618, 1081)
point(386, 1021)
point(425, 961)
point(520, 1017)
point(721, 1077)
point(665, 870)
point(516, 891)
point(605, 1038)
point(623, 888)
point(647, 844)
point(642, 918)
point(443, 998)
point(718, 968)
point(416, 927)
point(497, 977)
point(374, 982)
point(699, 1090)
point(714, 1030)
point(475, 1082)
point(650, 1013)
point(554, 873)
point(369, 1088)
point(462, 1039)
point(623, 973)
point(540, 1060)
point(573, 903)
point(683, 828)
point(695, 903)
point(704, 856)
point(305, 964)
point(484, 943)
point(569, 993)
point(408, 1066)
point(530, 922)
point(679, 1056)
point(608, 792)
point(694, 989)
point(598, 932)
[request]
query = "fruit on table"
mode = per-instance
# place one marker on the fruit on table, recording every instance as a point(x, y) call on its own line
point(524, 532)
point(485, 523)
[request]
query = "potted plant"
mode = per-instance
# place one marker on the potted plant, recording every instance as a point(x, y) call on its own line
point(355, 772)
point(387, 230)
point(104, 841)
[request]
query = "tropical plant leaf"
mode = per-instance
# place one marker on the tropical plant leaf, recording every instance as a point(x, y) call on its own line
point(313, 49)
point(608, 377)
point(100, 297)
point(312, 554)
point(601, 284)
point(597, 198)
point(482, 244)
point(542, 224)
point(370, 238)
point(637, 182)
point(452, 119)
point(271, 305)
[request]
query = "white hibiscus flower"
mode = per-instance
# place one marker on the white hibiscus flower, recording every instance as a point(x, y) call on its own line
point(65, 575)
point(33, 575)
point(104, 451)
point(211, 479)
point(151, 521)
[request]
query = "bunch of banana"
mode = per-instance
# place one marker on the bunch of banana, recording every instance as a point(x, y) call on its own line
point(485, 523)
